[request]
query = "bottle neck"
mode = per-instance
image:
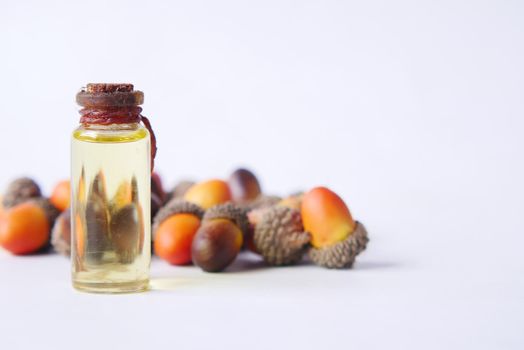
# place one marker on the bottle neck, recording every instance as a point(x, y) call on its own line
point(112, 127)
point(109, 115)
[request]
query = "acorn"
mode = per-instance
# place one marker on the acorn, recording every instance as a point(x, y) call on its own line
point(244, 186)
point(174, 227)
point(98, 186)
point(61, 195)
point(127, 229)
point(208, 193)
point(61, 233)
point(122, 196)
point(216, 244)
point(19, 191)
point(25, 228)
point(279, 236)
point(220, 237)
point(97, 231)
point(336, 238)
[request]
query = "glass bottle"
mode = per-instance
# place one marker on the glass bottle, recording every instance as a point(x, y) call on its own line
point(111, 194)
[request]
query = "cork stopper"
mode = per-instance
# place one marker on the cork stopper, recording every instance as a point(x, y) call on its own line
point(109, 95)
point(108, 87)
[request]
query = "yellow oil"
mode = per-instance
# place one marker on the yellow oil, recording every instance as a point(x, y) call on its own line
point(111, 227)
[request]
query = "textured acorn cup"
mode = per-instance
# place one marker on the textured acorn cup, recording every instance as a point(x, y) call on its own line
point(61, 234)
point(19, 191)
point(244, 185)
point(176, 206)
point(229, 211)
point(279, 236)
point(342, 254)
point(216, 244)
point(179, 190)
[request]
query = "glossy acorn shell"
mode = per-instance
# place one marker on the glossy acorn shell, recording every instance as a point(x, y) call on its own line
point(326, 217)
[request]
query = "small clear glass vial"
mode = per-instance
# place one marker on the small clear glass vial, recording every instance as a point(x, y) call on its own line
point(111, 194)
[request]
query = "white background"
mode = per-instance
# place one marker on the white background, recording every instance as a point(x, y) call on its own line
point(411, 110)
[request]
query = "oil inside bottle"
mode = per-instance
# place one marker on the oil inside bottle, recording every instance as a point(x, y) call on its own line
point(111, 245)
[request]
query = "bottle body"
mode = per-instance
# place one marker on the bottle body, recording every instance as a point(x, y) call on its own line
point(111, 198)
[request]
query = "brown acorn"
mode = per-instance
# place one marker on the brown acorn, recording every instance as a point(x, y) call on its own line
point(127, 229)
point(61, 233)
point(97, 227)
point(279, 236)
point(244, 186)
point(220, 237)
point(216, 244)
point(19, 191)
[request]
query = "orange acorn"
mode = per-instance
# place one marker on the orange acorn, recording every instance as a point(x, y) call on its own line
point(208, 193)
point(174, 227)
point(61, 195)
point(24, 228)
point(336, 238)
point(174, 237)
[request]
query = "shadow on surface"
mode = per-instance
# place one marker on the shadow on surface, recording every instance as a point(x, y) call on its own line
point(374, 265)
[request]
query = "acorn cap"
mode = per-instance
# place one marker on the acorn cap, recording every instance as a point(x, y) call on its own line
point(61, 234)
point(341, 254)
point(230, 211)
point(176, 206)
point(180, 189)
point(19, 191)
point(279, 236)
point(262, 201)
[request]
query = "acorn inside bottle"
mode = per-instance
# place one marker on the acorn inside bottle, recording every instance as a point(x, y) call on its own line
point(111, 165)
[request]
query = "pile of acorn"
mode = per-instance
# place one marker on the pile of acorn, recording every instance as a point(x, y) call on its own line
point(206, 223)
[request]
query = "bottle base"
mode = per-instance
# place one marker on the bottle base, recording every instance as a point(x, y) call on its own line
point(112, 287)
